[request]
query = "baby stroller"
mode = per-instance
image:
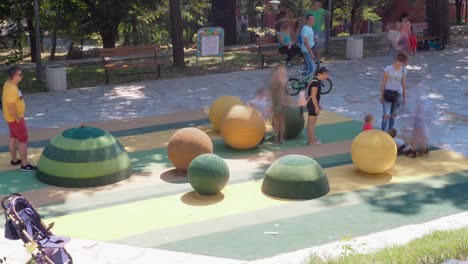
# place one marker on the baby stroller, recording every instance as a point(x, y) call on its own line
point(24, 222)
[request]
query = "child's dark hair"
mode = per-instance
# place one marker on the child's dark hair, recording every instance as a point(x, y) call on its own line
point(309, 15)
point(321, 70)
point(403, 16)
point(368, 118)
point(392, 132)
point(12, 71)
point(401, 57)
point(260, 91)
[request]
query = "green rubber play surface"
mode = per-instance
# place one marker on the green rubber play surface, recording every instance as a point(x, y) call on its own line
point(157, 208)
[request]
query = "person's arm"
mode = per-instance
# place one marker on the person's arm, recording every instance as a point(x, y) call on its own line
point(403, 86)
point(12, 110)
point(382, 86)
point(281, 39)
point(305, 40)
point(314, 99)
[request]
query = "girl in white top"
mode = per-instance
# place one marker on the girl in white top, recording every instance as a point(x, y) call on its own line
point(393, 90)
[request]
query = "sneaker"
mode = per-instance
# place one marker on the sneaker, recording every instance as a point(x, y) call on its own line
point(317, 141)
point(15, 163)
point(289, 65)
point(28, 167)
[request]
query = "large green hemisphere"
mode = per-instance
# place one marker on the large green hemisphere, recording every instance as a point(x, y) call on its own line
point(83, 132)
point(83, 157)
point(208, 174)
point(295, 177)
point(295, 122)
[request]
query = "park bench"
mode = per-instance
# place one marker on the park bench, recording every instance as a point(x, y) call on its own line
point(267, 47)
point(131, 57)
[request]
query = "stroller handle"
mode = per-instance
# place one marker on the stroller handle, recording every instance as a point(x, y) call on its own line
point(8, 198)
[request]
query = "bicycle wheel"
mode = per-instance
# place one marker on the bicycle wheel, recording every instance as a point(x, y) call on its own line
point(327, 86)
point(439, 46)
point(427, 46)
point(293, 87)
point(421, 45)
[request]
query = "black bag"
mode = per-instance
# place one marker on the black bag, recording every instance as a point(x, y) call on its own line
point(391, 96)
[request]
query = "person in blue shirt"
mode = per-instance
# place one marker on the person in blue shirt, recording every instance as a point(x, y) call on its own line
point(308, 42)
point(286, 45)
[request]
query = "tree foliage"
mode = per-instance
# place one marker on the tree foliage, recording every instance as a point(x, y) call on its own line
point(356, 12)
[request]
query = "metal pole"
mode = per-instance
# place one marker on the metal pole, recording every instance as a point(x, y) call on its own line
point(328, 29)
point(39, 74)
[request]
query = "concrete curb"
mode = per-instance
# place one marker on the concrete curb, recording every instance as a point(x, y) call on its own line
point(373, 242)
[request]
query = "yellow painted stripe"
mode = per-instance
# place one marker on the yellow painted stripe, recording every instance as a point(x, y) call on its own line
point(113, 222)
point(159, 139)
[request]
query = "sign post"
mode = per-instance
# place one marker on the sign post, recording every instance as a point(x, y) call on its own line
point(210, 42)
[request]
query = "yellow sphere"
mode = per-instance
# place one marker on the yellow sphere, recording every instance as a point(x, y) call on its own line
point(186, 144)
point(243, 127)
point(220, 107)
point(373, 152)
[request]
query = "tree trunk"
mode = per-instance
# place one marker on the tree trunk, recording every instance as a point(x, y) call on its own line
point(70, 49)
point(109, 34)
point(438, 16)
point(356, 18)
point(459, 5)
point(19, 38)
point(176, 33)
point(32, 38)
point(134, 30)
point(54, 45)
point(466, 11)
point(224, 15)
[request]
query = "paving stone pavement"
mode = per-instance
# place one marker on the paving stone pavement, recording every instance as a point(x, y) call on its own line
point(437, 79)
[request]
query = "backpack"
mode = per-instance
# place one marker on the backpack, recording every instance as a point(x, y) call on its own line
point(302, 99)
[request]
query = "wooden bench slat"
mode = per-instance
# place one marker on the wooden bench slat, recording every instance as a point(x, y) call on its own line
point(124, 65)
point(270, 53)
point(126, 51)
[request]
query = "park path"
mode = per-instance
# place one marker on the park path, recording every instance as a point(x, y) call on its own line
point(437, 78)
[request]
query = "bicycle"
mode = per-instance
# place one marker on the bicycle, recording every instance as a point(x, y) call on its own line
point(427, 44)
point(295, 85)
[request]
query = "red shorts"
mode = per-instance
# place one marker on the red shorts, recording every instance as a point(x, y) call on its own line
point(18, 131)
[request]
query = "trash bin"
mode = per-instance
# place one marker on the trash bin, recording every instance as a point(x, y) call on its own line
point(354, 48)
point(56, 75)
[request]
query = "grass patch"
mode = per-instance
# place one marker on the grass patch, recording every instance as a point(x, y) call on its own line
point(435, 248)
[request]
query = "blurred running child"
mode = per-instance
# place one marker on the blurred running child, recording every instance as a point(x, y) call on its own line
point(278, 102)
point(261, 104)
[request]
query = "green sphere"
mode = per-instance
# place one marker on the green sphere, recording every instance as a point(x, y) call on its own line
point(208, 174)
point(295, 122)
point(83, 157)
point(295, 177)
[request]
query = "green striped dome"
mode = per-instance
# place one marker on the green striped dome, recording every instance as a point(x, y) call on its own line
point(295, 177)
point(83, 157)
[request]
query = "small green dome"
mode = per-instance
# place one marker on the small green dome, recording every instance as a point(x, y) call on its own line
point(295, 177)
point(208, 174)
point(83, 157)
point(295, 122)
